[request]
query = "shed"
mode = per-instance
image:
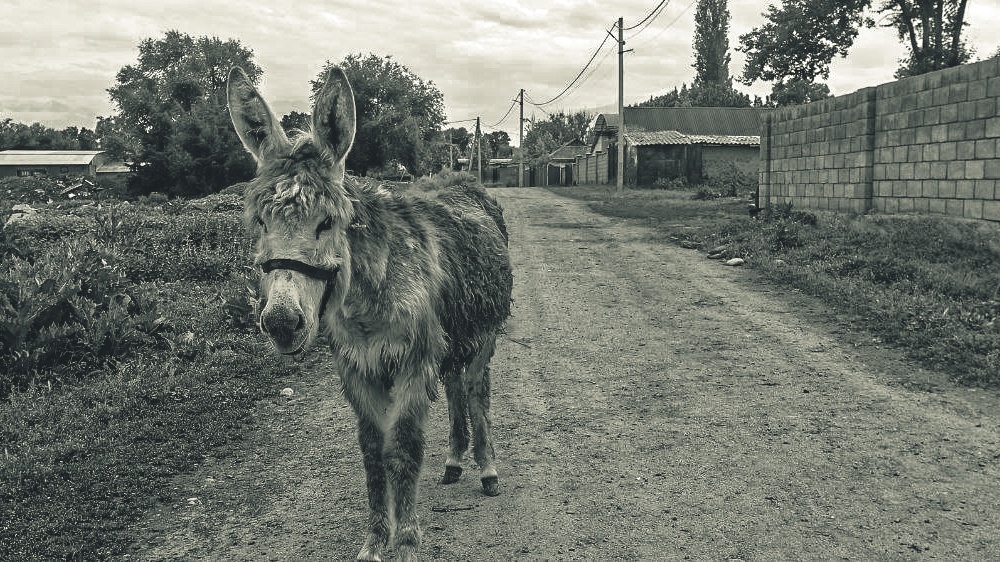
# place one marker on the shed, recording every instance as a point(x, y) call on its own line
point(689, 142)
point(26, 163)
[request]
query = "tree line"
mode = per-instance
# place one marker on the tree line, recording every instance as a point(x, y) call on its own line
point(172, 122)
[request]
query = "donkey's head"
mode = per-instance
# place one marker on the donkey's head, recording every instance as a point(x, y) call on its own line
point(297, 207)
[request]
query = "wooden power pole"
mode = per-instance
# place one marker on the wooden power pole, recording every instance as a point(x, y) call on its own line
point(479, 150)
point(520, 142)
point(621, 107)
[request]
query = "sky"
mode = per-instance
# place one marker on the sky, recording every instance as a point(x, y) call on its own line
point(58, 57)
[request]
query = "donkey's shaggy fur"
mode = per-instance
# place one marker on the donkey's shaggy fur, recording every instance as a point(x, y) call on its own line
point(406, 290)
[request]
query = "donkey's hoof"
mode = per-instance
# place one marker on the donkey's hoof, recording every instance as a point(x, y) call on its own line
point(451, 474)
point(491, 486)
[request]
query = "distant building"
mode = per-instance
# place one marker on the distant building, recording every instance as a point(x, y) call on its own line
point(673, 142)
point(27, 163)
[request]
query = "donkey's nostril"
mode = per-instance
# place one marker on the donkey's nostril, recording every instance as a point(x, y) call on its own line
point(301, 324)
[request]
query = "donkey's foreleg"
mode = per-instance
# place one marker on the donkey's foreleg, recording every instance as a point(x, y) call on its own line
point(477, 388)
point(369, 403)
point(458, 436)
point(404, 455)
point(377, 538)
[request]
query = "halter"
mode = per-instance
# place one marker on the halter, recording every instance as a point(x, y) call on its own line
point(321, 274)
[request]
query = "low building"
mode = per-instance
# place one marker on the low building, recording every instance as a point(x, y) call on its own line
point(664, 143)
point(26, 163)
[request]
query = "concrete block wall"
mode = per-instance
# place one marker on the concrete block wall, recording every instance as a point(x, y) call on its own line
point(821, 153)
point(925, 144)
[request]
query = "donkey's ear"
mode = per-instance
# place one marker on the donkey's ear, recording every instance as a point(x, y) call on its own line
point(255, 124)
point(334, 119)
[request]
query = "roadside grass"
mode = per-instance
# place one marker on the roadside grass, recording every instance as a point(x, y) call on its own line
point(929, 286)
point(127, 356)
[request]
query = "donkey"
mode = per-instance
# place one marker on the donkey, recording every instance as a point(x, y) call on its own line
point(406, 290)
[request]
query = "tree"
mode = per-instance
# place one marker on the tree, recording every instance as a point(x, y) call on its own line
point(19, 136)
point(399, 115)
point(711, 42)
point(173, 104)
point(795, 91)
point(545, 136)
point(114, 140)
point(296, 121)
point(713, 87)
point(800, 39)
point(496, 145)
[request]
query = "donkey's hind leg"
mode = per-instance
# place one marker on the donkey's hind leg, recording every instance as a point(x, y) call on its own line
point(458, 434)
point(477, 388)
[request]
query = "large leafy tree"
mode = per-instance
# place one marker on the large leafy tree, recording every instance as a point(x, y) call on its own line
point(546, 135)
point(172, 103)
point(799, 39)
point(399, 114)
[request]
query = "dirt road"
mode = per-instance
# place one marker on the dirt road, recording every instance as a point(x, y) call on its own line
point(648, 404)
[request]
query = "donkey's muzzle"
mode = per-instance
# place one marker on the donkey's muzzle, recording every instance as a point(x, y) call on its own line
point(283, 326)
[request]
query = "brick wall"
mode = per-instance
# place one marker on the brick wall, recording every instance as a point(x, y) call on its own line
point(926, 144)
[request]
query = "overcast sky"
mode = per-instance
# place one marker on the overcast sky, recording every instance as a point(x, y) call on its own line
point(58, 57)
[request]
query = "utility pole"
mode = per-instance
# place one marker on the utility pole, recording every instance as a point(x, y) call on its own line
point(520, 142)
point(479, 150)
point(451, 153)
point(621, 107)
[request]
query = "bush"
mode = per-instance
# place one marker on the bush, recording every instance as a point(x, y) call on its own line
point(69, 313)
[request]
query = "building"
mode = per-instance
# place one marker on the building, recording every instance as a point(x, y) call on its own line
point(664, 143)
point(558, 170)
point(26, 163)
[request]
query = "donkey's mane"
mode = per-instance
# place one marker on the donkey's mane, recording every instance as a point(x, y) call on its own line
point(296, 185)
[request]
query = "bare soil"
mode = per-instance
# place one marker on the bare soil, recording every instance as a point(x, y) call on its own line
point(648, 404)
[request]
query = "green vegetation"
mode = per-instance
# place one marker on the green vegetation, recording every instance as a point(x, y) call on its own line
point(127, 355)
point(927, 285)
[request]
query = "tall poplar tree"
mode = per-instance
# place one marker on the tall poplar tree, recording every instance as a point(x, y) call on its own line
point(712, 84)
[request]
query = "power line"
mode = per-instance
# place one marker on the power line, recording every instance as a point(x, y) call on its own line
point(582, 70)
point(648, 16)
point(671, 24)
point(656, 14)
point(502, 119)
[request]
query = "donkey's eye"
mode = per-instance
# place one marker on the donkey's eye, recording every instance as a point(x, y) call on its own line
point(260, 223)
point(327, 224)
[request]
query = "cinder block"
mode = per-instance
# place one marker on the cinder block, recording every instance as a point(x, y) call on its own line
point(956, 131)
point(949, 150)
point(931, 152)
point(958, 92)
point(906, 171)
point(929, 188)
point(949, 113)
point(991, 168)
point(947, 189)
point(939, 170)
point(985, 148)
point(954, 207)
point(905, 205)
point(913, 189)
point(973, 210)
point(977, 89)
point(975, 129)
point(986, 108)
point(993, 127)
point(985, 189)
point(975, 169)
point(993, 87)
point(965, 189)
point(940, 96)
point(939, 133)
point(922, 170)
point(956, 169)
point(937, 206)
point(965, 150)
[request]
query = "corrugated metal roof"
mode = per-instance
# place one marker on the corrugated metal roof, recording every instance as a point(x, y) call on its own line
point(646, 138)
point(728, 121)
point(47, 157)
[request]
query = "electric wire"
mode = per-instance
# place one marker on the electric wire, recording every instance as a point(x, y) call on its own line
point(648, 16)
point(582, 70)
point(504, 118)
